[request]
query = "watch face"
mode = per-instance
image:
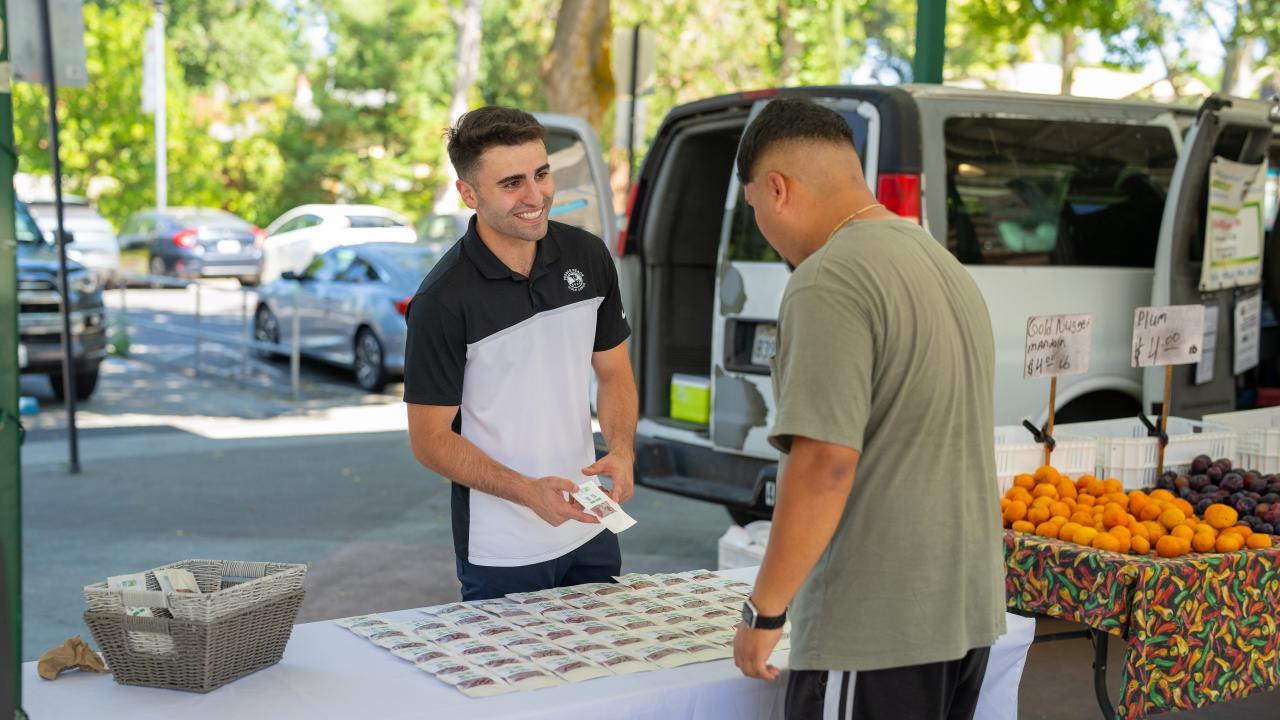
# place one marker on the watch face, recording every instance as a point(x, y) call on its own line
point(748, 614)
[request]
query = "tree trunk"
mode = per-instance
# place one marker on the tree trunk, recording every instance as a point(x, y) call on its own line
point(1237, 69)
point(466, 21)
point(1069, 47)
point(787, 42)
point(577, 74)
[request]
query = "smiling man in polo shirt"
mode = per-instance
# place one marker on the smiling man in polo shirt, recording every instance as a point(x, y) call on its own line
point(503, 335)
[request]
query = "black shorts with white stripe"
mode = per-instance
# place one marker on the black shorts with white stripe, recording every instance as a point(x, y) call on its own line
point(934, 691)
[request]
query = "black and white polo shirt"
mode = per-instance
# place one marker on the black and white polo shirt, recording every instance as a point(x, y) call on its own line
point(514, 353)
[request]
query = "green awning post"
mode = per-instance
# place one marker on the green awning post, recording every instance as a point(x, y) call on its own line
point(931, 24)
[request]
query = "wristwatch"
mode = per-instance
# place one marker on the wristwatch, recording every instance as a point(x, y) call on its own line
point(755, 621)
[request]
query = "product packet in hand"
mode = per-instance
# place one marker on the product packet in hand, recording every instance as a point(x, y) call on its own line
point(134, 581)
point(526, 676)
point(619, 662)
point(596, 502)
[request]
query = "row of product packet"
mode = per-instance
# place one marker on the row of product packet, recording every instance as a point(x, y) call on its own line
point(534, 640)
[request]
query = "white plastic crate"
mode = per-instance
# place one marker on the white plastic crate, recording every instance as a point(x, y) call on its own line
point(1257, 437)
point(1127, 453)
point(743, 546)
point(1017, 453)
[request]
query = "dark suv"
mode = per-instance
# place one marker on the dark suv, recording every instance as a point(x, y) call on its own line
point(39, 321)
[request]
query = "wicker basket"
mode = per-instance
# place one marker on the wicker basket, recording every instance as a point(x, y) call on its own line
point(227, 589)
point(204, 655)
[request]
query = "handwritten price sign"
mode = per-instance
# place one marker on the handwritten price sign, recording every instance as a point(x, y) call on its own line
point(1057, 345)
point(1170, 335)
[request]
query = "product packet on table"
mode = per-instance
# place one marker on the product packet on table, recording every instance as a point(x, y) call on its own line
point(470, 680)
point(526, 676)
point(573, 669)
point(619, 662)
point(425, 653)
point(701, 649)
point(134, 581)
point(612, 516)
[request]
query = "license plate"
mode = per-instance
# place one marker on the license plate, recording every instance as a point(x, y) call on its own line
point(770, 492)
point(22, 356)
point(764, 345)
point(229, 247)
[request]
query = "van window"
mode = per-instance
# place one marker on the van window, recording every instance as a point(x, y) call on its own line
point(1047, 192)
point(577, 201)
point(746, 242)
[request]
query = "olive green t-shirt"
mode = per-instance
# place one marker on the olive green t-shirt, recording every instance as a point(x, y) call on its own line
point(885, 346)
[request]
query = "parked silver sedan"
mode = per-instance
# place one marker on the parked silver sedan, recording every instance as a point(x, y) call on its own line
point(350, 305)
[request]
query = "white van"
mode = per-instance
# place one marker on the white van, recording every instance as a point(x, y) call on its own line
point(1056, 205)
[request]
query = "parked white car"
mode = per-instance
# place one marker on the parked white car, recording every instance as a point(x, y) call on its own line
point(94, 241)
point(308, 230)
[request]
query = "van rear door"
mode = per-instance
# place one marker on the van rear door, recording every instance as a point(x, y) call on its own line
point(750, 280)
point(583, 198)
point(1235, 129)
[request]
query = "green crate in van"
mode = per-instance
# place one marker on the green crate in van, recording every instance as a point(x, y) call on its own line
point(691, 398)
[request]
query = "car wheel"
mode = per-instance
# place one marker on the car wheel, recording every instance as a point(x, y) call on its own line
point(371, 372)
point(266, 328)
point(156, 268)
point(86, 383)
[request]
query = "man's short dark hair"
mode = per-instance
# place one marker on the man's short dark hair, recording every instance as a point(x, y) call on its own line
point(483, 128)
point(788, 119)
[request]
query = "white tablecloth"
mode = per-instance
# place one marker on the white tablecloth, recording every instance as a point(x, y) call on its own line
point(329, 672)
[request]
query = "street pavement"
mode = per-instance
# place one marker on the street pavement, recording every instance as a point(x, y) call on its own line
point(225, 465)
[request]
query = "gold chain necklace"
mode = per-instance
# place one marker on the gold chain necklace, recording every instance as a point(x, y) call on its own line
point(840, 225)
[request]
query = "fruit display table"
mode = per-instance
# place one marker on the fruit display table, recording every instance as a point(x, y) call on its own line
point(1199, 629)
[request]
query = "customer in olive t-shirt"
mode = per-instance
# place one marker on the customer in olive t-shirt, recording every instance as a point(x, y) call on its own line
point(886, 533)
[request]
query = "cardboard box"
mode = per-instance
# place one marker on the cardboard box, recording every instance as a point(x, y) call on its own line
point(691, 398)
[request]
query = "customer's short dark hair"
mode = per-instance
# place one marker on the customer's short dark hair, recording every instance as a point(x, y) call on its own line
point(483, 128)
point(789, 119)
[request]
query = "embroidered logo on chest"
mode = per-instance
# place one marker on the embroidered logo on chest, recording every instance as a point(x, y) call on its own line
point(575, 279)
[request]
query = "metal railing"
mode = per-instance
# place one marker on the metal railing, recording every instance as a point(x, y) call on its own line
point(244, 341)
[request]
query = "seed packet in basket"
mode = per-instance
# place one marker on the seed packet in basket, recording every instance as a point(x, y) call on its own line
point(526, 676)
point(611, 514)
point(573, 669)
point(177, 580)
point(134, 581)
point(619, 662)
point(662, 655)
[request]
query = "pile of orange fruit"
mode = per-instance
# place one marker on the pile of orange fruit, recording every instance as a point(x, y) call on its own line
point(1099, 514)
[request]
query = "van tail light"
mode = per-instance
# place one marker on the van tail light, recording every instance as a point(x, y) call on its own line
point(402, 305)
point(259, 237)
point(900, 193)
point(185, 238)
point(622, 231)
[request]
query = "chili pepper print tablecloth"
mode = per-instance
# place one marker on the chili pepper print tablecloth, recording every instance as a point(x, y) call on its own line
point(1199, 629)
